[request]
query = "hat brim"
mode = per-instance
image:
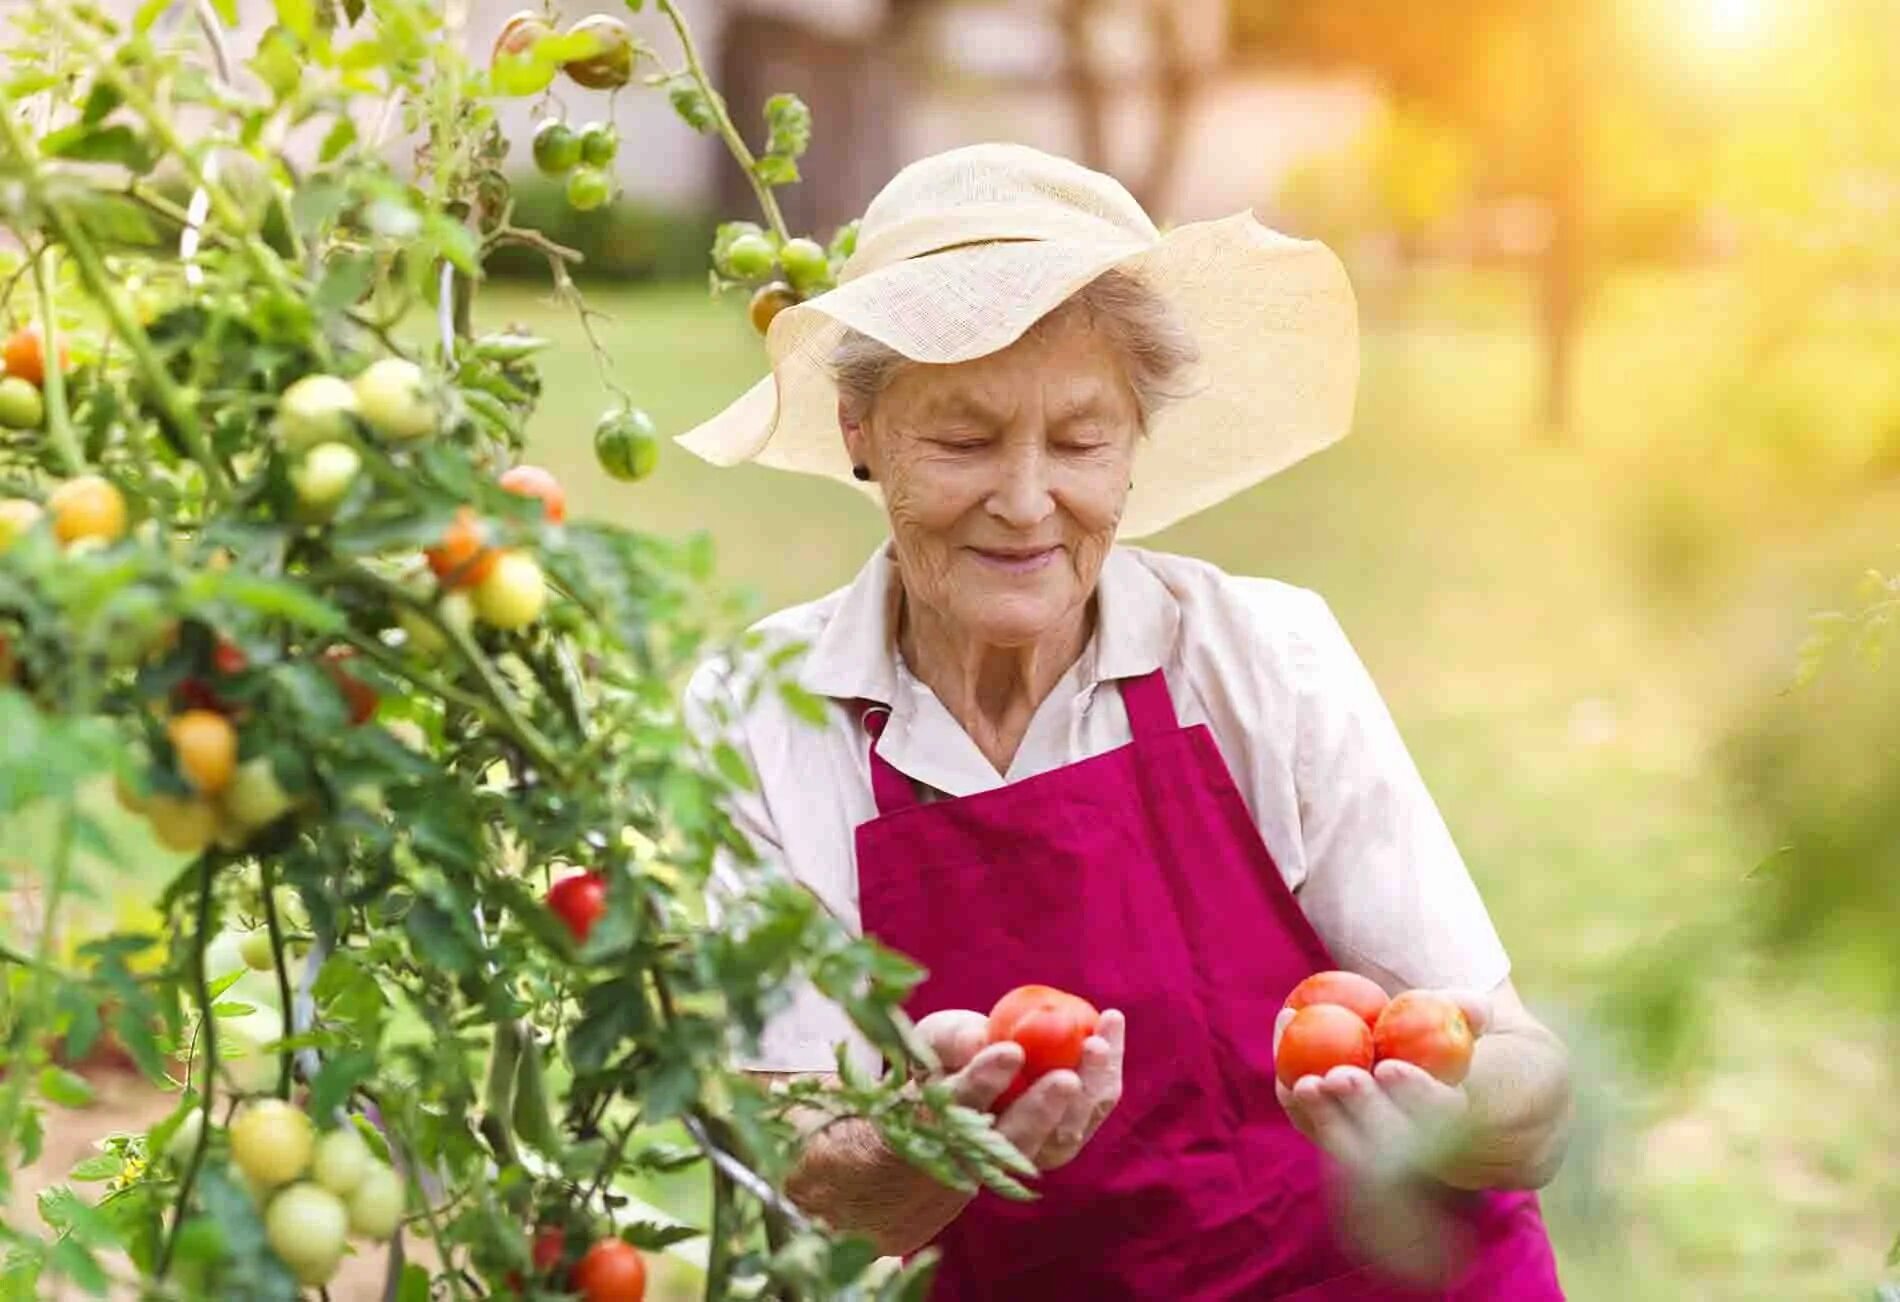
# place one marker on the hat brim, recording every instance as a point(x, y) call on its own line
point(1274, 318)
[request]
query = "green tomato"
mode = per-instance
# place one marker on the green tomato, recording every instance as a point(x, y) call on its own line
point(342, 1160)
point(305, 1226)
point(514, 593)
point(21, 406)
point(376, 1203)
point(323, 479)
point(271, 1142)
point(316, 409)
point(255, 798)
point(599, 143)
point(626, 445)
point(749, 257)
point(395, 399)
point(805, 264)
point(556, 147)
point(257, 952)
point(184, 1140)
point(588, 188)
point(17, 515)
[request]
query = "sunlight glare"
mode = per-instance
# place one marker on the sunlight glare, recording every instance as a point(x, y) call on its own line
point(1734, 21)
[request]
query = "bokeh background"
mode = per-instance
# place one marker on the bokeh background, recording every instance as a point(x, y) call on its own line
point(1630, 283)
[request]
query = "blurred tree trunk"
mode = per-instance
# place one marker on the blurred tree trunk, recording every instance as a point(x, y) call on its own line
point(856, 98)
point(1091, 99)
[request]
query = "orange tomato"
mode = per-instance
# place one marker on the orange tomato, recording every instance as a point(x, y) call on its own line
point(1347, 989)
point(1428, 1031)
point(533, 481)
point(463, 558)
point(26, 355)
point(206, 745)
point(87, 507)
point(1319, 1038)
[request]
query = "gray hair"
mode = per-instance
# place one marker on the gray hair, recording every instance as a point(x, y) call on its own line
point(1158, 350)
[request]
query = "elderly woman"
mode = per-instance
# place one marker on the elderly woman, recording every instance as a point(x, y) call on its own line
point(1049, 757)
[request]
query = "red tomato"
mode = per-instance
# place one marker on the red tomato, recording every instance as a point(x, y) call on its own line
point(1347, 989)
point(26, 355)
point(578, 901)
point(532, 481)
point(1429, 1031)
point(550, 1244)
point(1319, 1038)
point(1050, 1024)
point(227, 657)
point(463, 558)
point(359, 698)
point(612, 1271)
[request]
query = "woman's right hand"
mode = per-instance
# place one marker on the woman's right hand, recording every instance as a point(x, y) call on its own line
point(1057, 1116)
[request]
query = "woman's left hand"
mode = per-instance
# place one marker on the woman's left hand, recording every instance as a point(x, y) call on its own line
point(1394, 1117)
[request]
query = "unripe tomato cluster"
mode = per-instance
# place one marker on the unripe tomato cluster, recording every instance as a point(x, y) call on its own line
point(315, 1191)
point(585, 157)
point(784, 272)
point(1342, 1019)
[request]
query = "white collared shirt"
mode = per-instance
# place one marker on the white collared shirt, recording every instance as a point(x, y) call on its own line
point(1310, 742)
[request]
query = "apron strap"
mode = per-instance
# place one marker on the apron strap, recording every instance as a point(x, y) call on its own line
point(1150, 710)
point(893, 790)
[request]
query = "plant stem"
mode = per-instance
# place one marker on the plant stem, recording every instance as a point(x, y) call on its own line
point(208, 1028)
point(267, 871)
point(735, 143)
point(59, 425)
point(719, 1250)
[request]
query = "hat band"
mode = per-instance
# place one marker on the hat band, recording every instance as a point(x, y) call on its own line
point(913, 237)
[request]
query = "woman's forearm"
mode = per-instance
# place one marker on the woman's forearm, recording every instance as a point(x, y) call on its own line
point(848, 1177)
point(1518, 1125)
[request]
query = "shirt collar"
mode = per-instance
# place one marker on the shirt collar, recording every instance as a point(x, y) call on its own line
point(856, 657)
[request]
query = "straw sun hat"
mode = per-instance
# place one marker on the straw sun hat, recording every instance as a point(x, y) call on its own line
point(964, 250)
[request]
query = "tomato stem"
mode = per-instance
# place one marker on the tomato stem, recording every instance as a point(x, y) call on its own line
point(208, 1029)
point(735, 143)
point(59, 425)
point(267, 875)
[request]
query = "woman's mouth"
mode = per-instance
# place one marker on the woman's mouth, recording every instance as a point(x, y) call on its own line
point(1016, 560)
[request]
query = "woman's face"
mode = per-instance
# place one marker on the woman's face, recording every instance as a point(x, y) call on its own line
point(1005, 478)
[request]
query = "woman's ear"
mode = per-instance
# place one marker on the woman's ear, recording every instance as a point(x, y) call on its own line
point(857, 443)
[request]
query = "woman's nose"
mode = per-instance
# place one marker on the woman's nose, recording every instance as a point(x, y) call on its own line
point(1021, 497)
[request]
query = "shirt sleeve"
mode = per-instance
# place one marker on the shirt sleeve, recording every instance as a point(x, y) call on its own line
point(802, 1036)
point(1386, 887)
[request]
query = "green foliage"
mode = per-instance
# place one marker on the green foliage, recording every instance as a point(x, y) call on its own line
point(415, 778)
point(626, 240)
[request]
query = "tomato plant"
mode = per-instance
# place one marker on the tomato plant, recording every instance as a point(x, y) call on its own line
point(1319, 1038)
point(1051, 1025)
point(25, 355)
point(263, 580)
point(556, 147)
point(1428, 1030)
point(1347, 989)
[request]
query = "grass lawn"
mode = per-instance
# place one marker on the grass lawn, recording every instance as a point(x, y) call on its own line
point(1567, 634)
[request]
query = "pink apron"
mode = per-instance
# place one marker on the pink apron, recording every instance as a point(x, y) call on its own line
point(1138, 880)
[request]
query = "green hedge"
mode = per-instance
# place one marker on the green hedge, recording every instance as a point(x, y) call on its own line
point(626, 240)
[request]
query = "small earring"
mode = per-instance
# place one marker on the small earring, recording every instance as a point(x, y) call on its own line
point(861, 473)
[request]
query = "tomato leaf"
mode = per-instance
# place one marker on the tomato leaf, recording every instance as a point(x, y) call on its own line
point(789, 121)
point(67, 1089)
point(339, 1075)
point(802, 703)
point(690, 102)
point(88, 142)
point(227, 10)
point(298, 16)
point(415, 1280)
point(341, 136)
point(103, 98)
point(775, 169)
point(100, 1166)
point(733, 768)
point(655, 1236)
